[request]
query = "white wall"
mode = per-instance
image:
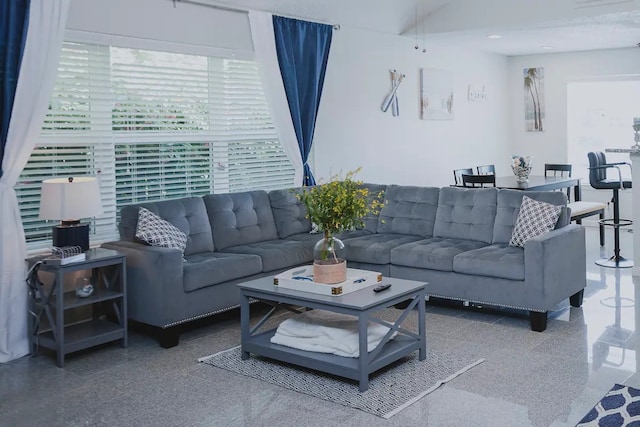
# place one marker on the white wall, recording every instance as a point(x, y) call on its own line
point(550, 146)
point(352, 131)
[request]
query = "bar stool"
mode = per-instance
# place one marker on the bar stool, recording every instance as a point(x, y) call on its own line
point(598, 179)
point(579, 209)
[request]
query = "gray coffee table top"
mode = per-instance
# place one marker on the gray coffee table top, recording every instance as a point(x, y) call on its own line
point(361, 300)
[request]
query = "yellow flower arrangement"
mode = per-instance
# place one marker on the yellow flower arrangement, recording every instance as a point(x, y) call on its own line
point(340, 204)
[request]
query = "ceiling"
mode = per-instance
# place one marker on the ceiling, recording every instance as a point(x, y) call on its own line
point(525, 26)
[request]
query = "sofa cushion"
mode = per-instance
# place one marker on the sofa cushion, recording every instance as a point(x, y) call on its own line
point(534, 219)
point(375, 248)
point(435, 253)
point(509, 202)
point(240, 218)
point(188, 214)
point(408, 210)
point(157, 232)
point(466, 214)
point(306, 237)
point(497, 260)
point(211, 268)
point(289, 213)
point(278, 254)
point(351, 234)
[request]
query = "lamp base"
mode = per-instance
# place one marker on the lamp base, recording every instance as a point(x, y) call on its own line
point(71, 235)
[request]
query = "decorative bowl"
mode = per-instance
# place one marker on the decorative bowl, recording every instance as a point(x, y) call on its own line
point(84, 288)
point(521, 172)
point(521, 167)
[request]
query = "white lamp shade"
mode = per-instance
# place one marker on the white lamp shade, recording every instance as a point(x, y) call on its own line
point(70, 199)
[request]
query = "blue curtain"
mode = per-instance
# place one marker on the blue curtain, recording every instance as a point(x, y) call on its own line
point(14, 21)
point(303, 52)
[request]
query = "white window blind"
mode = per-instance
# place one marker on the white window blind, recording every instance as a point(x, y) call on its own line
point(152, 125)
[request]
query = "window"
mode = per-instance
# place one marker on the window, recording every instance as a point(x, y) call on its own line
point(152, 125)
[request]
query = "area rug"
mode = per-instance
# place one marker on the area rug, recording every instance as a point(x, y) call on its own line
point(619, 407)
point(391, 389)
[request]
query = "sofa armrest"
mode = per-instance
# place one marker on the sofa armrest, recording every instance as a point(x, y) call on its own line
point(555, 266)
point(155, 293)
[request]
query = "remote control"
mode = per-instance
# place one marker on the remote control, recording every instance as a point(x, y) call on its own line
point(382, 287)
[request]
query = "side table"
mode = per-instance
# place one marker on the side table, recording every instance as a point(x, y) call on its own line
point(108, 301)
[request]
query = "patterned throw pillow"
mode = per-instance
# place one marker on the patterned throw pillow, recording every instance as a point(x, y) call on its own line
point(158, 232)
point(535, 218)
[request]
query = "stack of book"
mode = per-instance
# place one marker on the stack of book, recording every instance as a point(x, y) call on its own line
point(65, 255)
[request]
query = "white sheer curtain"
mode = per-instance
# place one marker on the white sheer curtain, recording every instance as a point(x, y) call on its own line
point(264, 46)
point(38, 72)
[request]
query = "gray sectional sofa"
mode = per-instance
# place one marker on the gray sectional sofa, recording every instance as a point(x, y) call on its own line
point(454, 238)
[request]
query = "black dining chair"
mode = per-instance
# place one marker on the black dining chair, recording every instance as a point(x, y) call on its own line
point(558, 169)
point(478, 181)
point(579, 209)
point(457, 174)
point(598, 168)
point(486, 170)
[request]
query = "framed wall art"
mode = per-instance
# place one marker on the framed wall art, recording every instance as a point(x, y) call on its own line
point(534, 113)
point(436, 94)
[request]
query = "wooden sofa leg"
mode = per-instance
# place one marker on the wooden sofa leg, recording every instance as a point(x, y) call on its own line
point(169, 337)
point(576, 299)
point(538, 321)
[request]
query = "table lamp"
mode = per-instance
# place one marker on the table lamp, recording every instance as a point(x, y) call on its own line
point(69, 200)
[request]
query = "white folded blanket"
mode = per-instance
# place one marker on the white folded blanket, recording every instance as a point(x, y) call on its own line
point(327, 332)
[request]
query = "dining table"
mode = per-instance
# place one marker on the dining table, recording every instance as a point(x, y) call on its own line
point(541, 183)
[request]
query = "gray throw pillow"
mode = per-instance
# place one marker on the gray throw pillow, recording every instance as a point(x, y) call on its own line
point(535, 218)
point(158, 232)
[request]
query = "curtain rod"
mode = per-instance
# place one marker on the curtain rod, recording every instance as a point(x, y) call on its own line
point(233, 9)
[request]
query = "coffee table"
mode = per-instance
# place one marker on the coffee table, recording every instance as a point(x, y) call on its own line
point(361, 303)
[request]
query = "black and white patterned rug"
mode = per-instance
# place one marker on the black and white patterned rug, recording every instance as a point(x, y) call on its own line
point(391, 389)
point(619, 407)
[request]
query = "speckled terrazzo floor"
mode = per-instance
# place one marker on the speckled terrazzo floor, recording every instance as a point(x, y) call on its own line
point(528, 379)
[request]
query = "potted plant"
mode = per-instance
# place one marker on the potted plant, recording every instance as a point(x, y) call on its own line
point(335, 207)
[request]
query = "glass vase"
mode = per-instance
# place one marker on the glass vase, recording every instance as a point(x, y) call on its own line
point(521, 167)
point(521, 173)
point(329, 262)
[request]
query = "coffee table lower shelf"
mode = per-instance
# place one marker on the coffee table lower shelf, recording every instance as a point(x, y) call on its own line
point(347, 367)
